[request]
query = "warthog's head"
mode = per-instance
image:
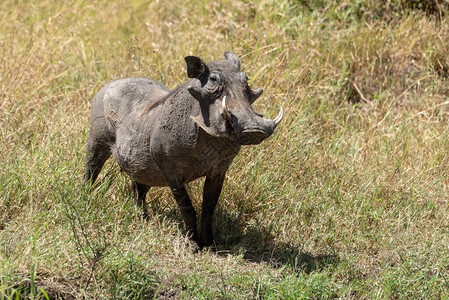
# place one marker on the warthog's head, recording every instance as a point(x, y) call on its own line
point(225, 100)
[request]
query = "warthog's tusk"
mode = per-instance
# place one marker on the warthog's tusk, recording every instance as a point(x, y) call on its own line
point(279, 117)
point(225, 110)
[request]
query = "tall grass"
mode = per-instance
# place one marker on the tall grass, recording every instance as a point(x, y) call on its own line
point(347, 199)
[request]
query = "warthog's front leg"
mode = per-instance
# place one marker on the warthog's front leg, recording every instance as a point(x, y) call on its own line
point(211, 193)
point(187, 210)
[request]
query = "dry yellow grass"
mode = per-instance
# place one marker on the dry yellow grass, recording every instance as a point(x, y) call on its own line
point(348, 199)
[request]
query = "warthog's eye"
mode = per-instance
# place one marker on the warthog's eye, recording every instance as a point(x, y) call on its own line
point(214, 78)
point(214, 82)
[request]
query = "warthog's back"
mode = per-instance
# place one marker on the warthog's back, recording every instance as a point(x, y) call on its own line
point(120, 97)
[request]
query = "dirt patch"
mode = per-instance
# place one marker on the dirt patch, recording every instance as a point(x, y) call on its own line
point(170, 294)
point(54, 287)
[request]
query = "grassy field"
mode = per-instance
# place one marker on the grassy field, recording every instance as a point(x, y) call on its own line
point(348, 199)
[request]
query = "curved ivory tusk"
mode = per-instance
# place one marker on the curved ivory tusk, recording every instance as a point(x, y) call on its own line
point(279, 117)
point(225, 110)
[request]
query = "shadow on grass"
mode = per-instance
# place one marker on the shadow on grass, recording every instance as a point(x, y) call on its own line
point(234, 235)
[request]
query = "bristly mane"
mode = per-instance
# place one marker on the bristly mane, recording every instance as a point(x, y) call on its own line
point(160, 100)
point(152, 105)
point(155, 103)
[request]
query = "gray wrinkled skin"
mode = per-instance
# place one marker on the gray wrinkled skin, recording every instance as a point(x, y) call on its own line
point(169, 138)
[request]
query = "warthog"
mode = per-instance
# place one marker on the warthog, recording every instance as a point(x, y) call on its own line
point(161, 137)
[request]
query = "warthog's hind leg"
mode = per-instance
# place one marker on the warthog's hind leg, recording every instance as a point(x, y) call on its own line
point(140, 193)
point(95, 158)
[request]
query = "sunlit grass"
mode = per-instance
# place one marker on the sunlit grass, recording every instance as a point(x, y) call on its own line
point(347, 199)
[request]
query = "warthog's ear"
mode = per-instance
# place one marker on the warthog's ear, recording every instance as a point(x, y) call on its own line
point(195, 66)
point(233, 59)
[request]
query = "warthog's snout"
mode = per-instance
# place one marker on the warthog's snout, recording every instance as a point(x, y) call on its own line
point(253, 136)
point(251, 128)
